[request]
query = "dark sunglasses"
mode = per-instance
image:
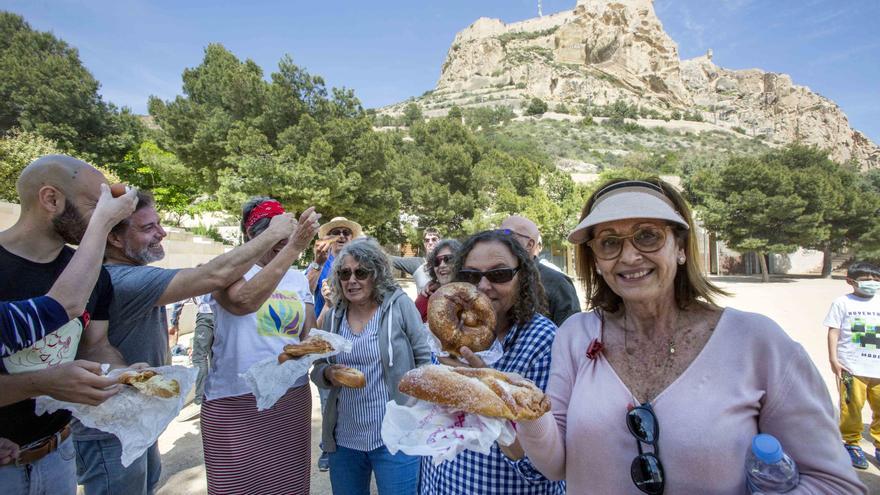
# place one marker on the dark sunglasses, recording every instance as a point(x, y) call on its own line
point(646, 469)
point(443, 258)
point(647, 239)
point(360, 274)
point(343, 232)
point(496, 276)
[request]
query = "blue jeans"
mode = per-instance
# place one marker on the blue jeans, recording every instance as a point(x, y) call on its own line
point(51, 475)
point(99, 468)
point(203, 338)
point(350, 472)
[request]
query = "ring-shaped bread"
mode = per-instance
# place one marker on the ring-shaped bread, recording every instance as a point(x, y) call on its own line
point(460, 315)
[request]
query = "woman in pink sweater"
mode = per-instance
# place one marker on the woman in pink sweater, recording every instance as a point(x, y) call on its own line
point(656, 355)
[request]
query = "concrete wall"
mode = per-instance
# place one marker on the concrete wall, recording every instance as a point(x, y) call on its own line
point(803, 261)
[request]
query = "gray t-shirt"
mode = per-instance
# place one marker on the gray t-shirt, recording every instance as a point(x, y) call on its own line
point(136, 326)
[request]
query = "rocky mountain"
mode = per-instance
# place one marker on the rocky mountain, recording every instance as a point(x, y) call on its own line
point(603, 51)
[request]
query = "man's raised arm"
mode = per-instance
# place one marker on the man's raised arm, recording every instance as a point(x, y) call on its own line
point(227, 268)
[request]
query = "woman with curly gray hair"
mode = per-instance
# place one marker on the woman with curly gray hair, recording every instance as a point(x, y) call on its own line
point(388, 340)
point(501, 269)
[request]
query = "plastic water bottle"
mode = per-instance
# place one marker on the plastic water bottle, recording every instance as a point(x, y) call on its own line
point(768, 468)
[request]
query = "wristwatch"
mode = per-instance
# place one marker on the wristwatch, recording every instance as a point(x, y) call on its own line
point(315, 266)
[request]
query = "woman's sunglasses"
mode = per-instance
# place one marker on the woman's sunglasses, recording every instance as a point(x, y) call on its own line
point(496, 276)
point(443, 258)
point(646, 470)
point(647, 239)
point(359, 273)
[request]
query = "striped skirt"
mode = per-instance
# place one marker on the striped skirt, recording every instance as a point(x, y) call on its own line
point(266, 452)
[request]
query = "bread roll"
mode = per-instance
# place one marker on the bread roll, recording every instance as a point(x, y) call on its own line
point(311, 345)
point(461, 316)
point(350, 377)
point(483, 391)
point(132, 377)
point(151, 383)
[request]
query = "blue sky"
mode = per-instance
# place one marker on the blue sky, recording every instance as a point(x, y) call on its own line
point(389, 50)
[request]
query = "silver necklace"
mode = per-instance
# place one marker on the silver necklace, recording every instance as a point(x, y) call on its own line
point(670, 343)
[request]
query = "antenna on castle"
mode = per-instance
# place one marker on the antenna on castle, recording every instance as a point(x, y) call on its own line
point(540, 14)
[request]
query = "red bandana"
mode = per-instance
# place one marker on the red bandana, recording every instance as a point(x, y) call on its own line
point(266, 209)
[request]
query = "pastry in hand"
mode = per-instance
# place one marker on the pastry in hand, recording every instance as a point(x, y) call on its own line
point(311, 345)
point(461, 316)
point(151, 383)
point(483, 391)
point(349, 377)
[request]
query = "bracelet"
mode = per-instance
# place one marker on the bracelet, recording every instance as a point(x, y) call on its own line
point(314, 266)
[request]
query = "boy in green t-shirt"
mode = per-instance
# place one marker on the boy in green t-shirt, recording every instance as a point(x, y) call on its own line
point(854, 353)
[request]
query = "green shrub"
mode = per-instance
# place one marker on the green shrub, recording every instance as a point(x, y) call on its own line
point(412, 114)
point(209, 232)
point(623, 110)
point(536, 106)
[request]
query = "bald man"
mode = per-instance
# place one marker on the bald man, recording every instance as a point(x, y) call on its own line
point(58, 195)
point(562, 299)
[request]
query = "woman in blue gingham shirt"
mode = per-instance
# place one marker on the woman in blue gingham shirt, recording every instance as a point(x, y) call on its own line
point(501, 269)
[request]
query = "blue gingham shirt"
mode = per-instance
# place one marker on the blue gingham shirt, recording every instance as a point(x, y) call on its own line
point(527, 352)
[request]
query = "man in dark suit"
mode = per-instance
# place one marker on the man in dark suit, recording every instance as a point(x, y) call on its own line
point(562, 299)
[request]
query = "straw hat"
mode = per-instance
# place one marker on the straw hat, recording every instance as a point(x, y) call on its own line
point(354, 227)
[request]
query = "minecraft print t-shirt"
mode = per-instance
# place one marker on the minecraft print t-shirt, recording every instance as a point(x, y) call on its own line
point(858, 348)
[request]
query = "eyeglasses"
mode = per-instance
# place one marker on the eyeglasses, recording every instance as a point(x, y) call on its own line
point(359, 273)
point(443, 258)
point(342, 232)
point(496, 276)
point(513, 232)
point(647, 239)
point(646, 469)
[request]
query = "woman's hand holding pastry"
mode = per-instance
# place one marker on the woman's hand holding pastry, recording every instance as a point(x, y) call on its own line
point(330, 374)
point(343, 376)
point(472, 360)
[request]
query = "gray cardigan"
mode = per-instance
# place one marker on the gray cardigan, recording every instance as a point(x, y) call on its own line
point(403, 345)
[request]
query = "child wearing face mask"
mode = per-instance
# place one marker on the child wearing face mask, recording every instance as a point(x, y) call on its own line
point(854, 351)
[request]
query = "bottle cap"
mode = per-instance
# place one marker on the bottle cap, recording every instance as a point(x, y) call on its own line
point(767, 448)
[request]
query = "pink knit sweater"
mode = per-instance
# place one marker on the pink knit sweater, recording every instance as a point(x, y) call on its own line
point(749, 378)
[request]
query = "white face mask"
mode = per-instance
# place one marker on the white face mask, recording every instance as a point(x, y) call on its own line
point(869, 287)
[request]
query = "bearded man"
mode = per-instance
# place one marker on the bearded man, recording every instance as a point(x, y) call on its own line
point(139, 328)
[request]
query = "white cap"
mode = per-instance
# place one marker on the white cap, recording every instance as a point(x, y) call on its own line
point(623, 200)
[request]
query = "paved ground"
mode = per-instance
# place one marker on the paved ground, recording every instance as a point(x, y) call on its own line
point(798, 304)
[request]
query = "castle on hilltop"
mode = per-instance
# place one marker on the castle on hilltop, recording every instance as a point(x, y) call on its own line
point(603, 51)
